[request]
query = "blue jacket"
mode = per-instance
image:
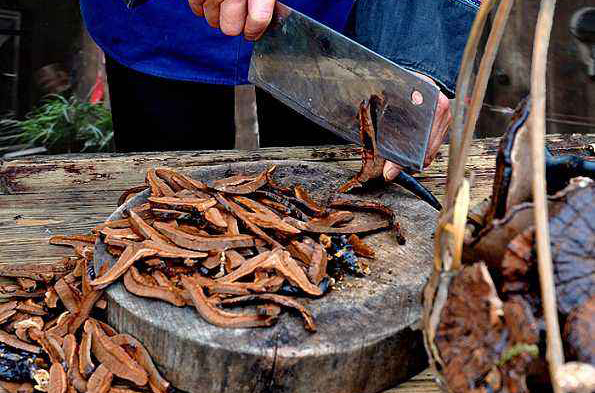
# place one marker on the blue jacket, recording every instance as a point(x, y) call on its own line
point(164, 38)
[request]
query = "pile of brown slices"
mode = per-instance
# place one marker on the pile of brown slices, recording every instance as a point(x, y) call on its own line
point(241, 240)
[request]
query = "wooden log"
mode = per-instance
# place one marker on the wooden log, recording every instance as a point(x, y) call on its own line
point(367, 338)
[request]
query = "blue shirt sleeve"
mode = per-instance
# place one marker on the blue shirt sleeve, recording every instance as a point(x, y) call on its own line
point(164, 38)
point(427, 36)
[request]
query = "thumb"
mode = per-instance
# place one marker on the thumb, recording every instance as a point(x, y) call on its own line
point(260, 13)
point(391, 171)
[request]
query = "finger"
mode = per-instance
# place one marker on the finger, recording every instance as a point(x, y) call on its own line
point(212, 11)
point(260, 13)
point(233, 16)
point(196, 7)
point(439, 130)
point(391, 171)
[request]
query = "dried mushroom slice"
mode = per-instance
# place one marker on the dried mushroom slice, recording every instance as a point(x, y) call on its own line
point(482, 344)
point(58, 382)
point(203, 243)
point(137, 287)
point(100, 381)
point(372, 163)
point(75, 378)
point(218, 317)
point(246, 185)
point(114, 357)
point(14, 342)
point(139, 353)
point(285, 301)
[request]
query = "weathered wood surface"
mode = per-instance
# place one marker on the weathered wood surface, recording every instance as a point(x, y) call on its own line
point(72, 193)
point(571, 94)
point(367, 336)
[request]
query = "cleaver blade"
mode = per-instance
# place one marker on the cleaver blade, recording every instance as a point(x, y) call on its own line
point(325, 76)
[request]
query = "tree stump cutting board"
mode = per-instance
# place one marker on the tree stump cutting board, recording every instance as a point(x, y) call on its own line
point(367, 339)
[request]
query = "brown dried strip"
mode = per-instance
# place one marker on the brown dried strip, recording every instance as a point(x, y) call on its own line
point(119, 243)
point(123, 390)
point(87, 304)
point(147, 231)
point(309, 323)
point(107, 329)
point(26, 284)
point(264, 217)
point(235, 288)
point(234, 209)
point(30, 307)
point(115, 224)
point(168, 176)
point(289, 268)
point(346, 230)
point(58, 383)
point(168, 215)
point(301, 251)
point(14, 294)
point(132, 254)
point(86, 365)
point(115, 357)
point(75, 378)
point(245, 188)
point(233, 260)
point(33, 322)
point(140, 354)
point(232, 225)
point(278, 207)
point(8, 306)
point(213, 215)
point(187, 182)
point(218, 317)
point(137, 287)
point(172, 251)
point(37, 271)
point(158, 186)
point(360, 248)
point(203, 243)
point(302, 195)
point(126, 195)
point(318, 264)
point(51, 298)
point(247, 268)
point(333, 219)
point(69, 298)
point(184, 204)
point(60, 329)
point(100, 381)
point(14, 342)
point(49, 343)
point(372, 163)
point(122, 234)
point(374, 207)
point(234, 180)
point(213, 260)
point(72, 240)
point(5, 316)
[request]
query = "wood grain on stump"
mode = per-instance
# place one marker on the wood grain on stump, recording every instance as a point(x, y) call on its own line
point(367, 339)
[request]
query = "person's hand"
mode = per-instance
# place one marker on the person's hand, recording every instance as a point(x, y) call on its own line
point(442, 121)
point(235, 17)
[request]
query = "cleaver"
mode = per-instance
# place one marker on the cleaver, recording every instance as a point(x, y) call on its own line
point(325, 76)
